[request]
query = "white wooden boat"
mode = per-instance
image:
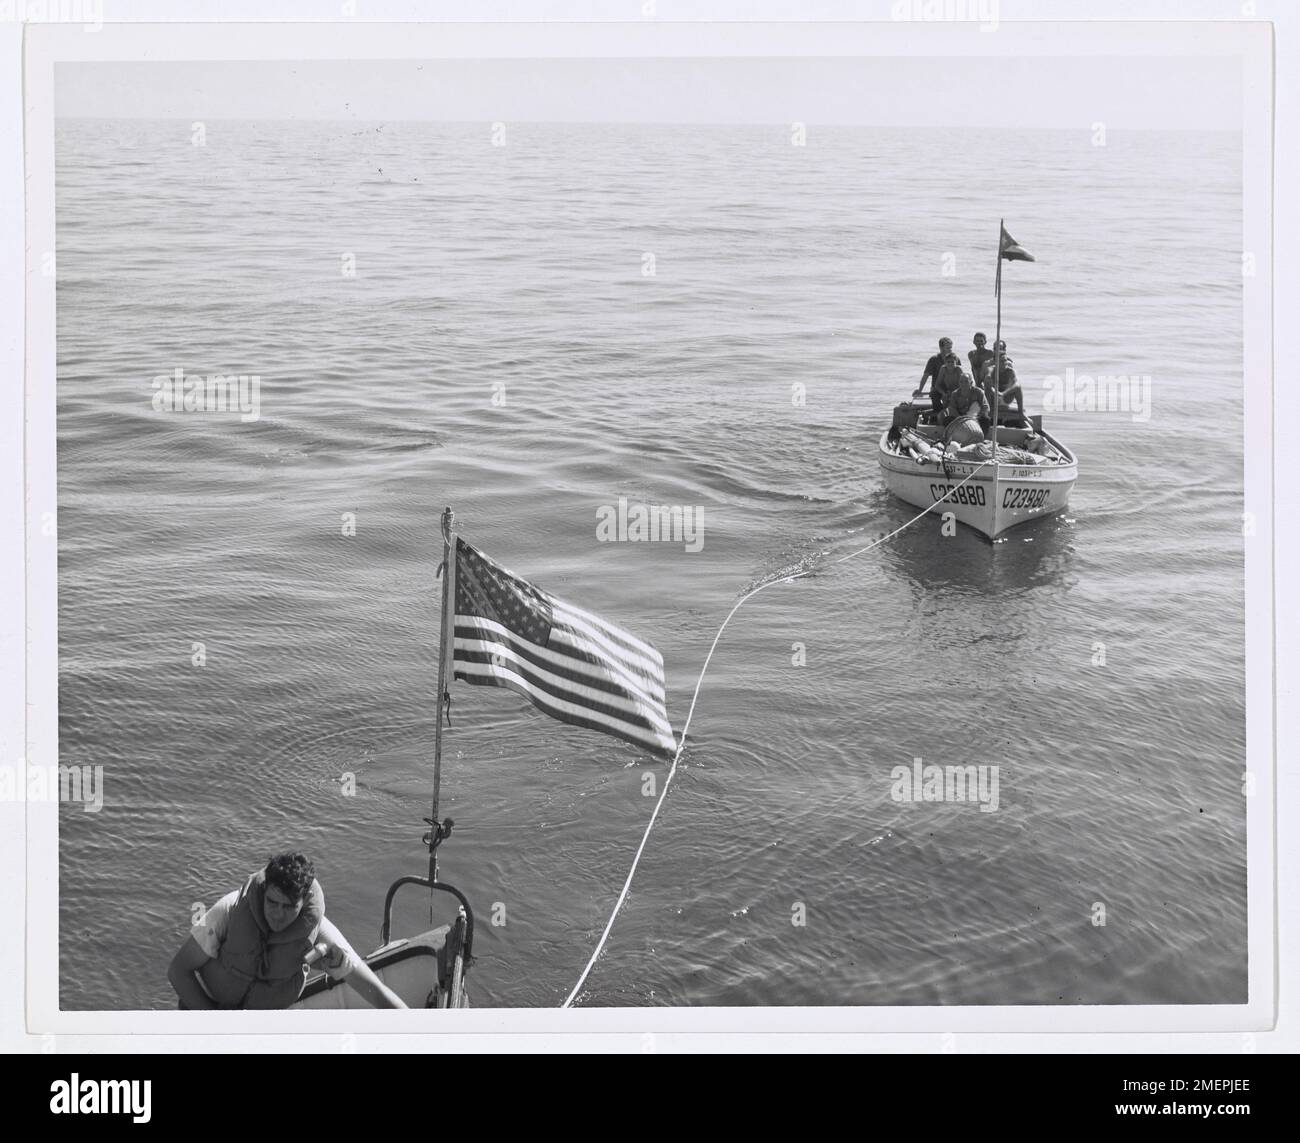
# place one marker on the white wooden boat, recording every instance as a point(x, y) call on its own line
point(991, 498)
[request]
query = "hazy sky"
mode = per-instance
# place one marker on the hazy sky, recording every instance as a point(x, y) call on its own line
point(1028, 91)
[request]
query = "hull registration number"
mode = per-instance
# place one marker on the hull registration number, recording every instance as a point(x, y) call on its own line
point(958, 493)
point(1025, 497)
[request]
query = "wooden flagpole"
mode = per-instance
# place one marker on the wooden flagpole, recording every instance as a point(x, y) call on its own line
point(446, 650)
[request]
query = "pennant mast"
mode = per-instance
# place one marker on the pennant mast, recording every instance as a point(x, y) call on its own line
point(997, 361)
point(1012, 251)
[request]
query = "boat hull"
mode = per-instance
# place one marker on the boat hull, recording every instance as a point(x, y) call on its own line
point(993, 500)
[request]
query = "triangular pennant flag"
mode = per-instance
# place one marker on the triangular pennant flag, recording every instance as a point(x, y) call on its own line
point(1011, 250)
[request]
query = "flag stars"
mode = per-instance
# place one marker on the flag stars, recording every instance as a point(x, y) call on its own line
point(484, 589)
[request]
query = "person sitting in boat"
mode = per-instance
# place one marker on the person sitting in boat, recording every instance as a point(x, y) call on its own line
point(979, 356)
point(933, 368)
point(945, 385)
point(252, 949)
point(1008, 387)
point(964, 411)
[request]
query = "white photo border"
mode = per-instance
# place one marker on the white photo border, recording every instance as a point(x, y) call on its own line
point(47, 45)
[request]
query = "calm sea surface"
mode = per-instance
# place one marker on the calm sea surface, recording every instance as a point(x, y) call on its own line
point(502, 348)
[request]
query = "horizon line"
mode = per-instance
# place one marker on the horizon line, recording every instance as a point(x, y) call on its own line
point(621, 123)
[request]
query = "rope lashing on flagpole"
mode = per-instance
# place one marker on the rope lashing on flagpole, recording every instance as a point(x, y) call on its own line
point(681, 745)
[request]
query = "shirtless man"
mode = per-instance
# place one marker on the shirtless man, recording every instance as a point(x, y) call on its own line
point(968, 404)
point(979, 356)
point(1008, 386)
point(931, 372)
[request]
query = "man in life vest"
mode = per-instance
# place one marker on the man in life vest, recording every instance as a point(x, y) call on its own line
point(251, 949)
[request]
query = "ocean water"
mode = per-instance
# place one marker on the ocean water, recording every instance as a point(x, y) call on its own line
point(502, 347)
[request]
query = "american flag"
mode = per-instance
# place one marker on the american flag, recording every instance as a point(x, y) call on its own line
point(567, 662)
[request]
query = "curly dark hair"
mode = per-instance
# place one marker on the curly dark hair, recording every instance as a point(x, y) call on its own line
point(292, 874)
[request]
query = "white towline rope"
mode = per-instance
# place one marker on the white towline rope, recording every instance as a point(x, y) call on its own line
point(681, 745)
